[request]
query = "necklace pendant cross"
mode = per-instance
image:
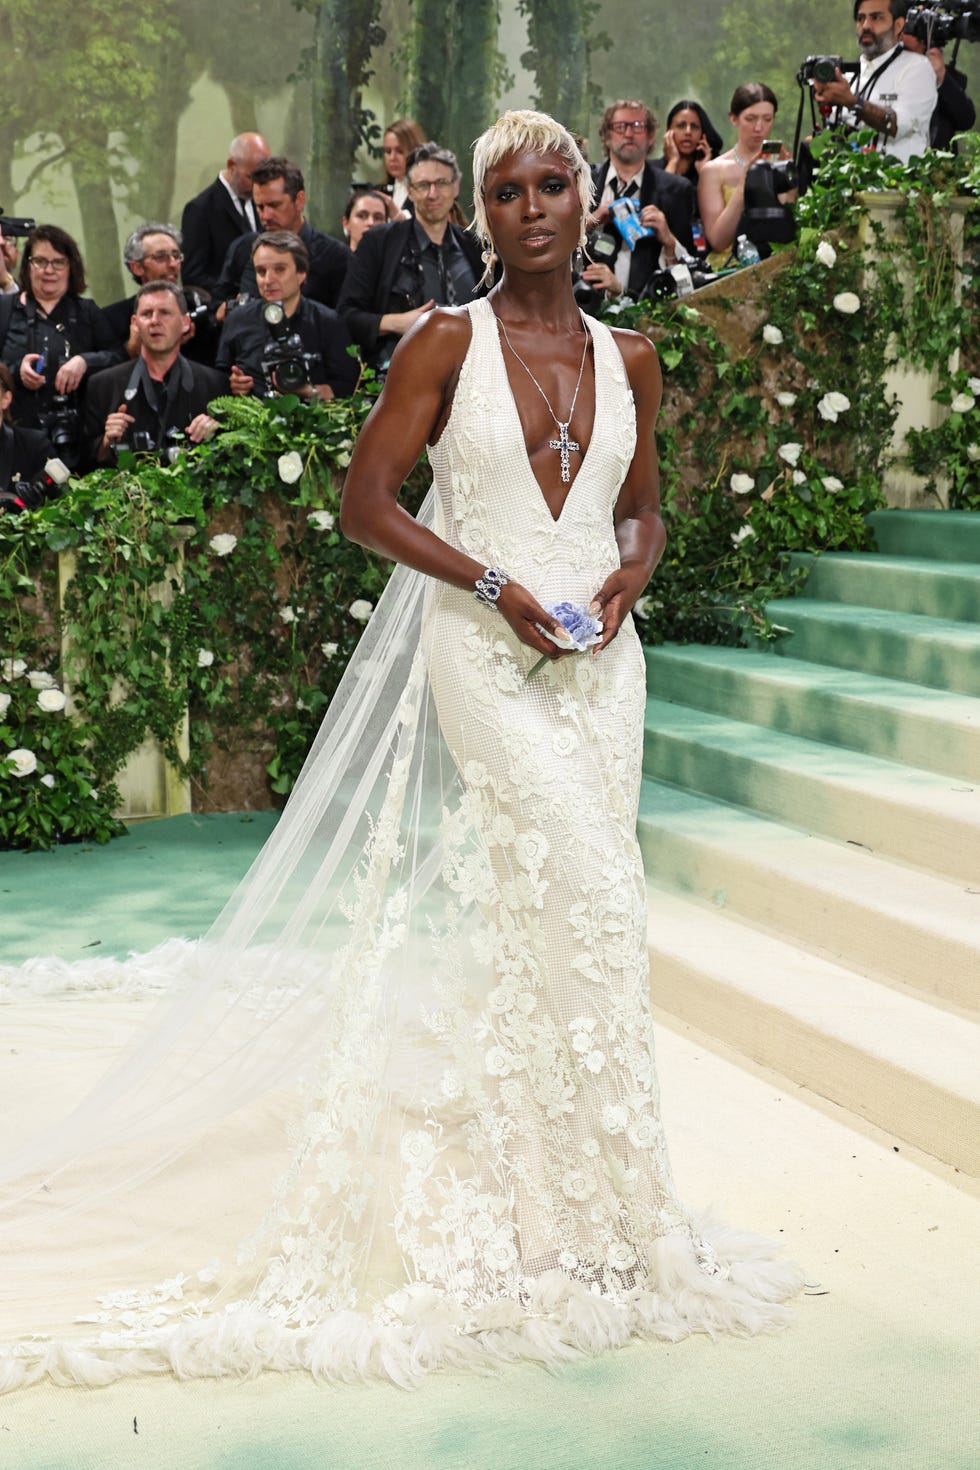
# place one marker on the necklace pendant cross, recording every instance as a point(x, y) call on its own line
point(563, 444)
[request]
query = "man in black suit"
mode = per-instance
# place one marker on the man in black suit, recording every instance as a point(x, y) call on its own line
point(279, 195)
point(213, 220)
point(406, 268)
point(153, 252)
point(666, 203)
point(138, 405)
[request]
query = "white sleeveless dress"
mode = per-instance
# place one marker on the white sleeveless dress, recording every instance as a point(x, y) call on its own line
point(476, 1166)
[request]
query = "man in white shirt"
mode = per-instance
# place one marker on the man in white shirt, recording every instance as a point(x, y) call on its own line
point(895, 93)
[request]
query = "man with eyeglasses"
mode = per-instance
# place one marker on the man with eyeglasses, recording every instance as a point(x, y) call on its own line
point(406, 268)
point(153, 253)
point(666, 203)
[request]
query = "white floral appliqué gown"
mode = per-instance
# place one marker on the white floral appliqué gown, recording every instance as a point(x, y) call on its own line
point(477, 1166)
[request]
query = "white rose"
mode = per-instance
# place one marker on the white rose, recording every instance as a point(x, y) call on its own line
point(786, 400)
point(13, 668)
point(799, 478)
point(328, 649)
point(361, 609)
point(962, 403)
point(847, 302)
point(974, 386)
point(4, 704)
point(741, 484)
point(831, 483)
point(973, 452)
point(23, 761)
point(826, 254)
point(48, 781)
point(772, 335)
point(342, 458)
point(39, 680)
point(322, 520)
point(288, 614)
point(643, 606)
point(290, 467)
point(740, 535)
point(790, 452)
point(51, 701)
point(832, 405)
point(223, 544)
point(205, 658)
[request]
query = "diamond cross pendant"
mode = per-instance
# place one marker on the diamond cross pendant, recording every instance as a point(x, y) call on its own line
point(563, 444)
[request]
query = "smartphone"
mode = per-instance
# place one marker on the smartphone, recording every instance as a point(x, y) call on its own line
point(772, 148)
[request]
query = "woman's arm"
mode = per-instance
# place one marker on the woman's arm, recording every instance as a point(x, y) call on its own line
point(412, 411)
point(639, 528)
point(718, 218)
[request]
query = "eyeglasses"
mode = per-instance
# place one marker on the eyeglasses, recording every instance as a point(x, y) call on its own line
point(441, 184)
point(628, 127)
point(162, 256)
point(45, 263)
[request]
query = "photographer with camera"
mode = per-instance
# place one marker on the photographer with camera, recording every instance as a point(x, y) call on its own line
point(159, 402)
point(895, 91)
point(153, 253)
point(55, 338)
point(955, 112)
point(26, 457)
point(285, 342)
point(722, 182)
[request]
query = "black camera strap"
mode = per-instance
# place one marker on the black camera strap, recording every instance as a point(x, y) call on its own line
point(160, 398)
point(6, 455)
point(864, 91)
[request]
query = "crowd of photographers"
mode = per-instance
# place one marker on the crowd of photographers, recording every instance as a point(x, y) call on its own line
point(248, 297)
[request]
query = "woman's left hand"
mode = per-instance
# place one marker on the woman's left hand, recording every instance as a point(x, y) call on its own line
point(615, 598)
point(70, 374)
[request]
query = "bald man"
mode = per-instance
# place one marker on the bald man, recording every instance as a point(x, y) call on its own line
point(216, 217)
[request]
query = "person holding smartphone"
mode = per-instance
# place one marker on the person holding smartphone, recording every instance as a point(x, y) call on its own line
point(721, 184)
point(690, 140)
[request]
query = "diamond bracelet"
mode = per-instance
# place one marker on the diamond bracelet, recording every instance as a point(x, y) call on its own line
point(487, 588)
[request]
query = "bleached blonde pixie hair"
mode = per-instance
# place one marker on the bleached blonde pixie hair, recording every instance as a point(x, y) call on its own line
point(519, 132)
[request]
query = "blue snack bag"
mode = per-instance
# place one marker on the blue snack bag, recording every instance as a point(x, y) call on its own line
point(626, 217)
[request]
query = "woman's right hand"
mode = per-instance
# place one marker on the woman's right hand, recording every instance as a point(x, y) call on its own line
point(527, 617)
point(28, 376)
point(672, 154)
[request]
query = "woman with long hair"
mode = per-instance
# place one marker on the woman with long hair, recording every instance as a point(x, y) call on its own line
point(400, 138)
point(690, 140)
point(721, 183)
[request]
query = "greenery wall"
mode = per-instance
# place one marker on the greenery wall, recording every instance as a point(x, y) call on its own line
point(111, 117)
point(772, 436)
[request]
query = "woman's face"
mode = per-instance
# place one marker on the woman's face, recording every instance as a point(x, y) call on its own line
point(49, 271)
point(395, 156)
point(6, 399)
point(533, 210)
point(687, 130)
point(753, 125)
point(366, 212)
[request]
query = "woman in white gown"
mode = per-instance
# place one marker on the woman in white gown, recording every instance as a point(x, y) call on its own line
point(412, 1063)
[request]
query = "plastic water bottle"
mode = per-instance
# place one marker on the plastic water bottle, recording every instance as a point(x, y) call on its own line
point(746, 252)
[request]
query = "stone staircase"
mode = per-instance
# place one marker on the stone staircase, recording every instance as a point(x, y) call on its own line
point(810, 823)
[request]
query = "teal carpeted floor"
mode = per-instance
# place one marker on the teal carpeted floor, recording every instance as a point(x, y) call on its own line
point(877, 1374)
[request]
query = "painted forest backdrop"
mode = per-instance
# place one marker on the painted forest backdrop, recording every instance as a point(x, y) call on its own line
point(115, 114)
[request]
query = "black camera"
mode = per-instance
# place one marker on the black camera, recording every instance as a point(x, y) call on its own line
point(956, 20)
point(61, 420)
point(29, 494)
point(821, 68)
point(764, 218)
point(167, 447)
point(285, 364)
point(12, 227)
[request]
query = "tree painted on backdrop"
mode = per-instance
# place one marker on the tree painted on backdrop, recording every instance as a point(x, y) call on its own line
point(76, 83)
point(562, 68)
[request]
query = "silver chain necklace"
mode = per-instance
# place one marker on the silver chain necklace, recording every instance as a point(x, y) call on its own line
point(563, 444)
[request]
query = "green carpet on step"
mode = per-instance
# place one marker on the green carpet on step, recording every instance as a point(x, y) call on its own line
point(164, 878)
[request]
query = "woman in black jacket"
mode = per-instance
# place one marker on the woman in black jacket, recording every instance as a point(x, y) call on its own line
point(56, 337)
